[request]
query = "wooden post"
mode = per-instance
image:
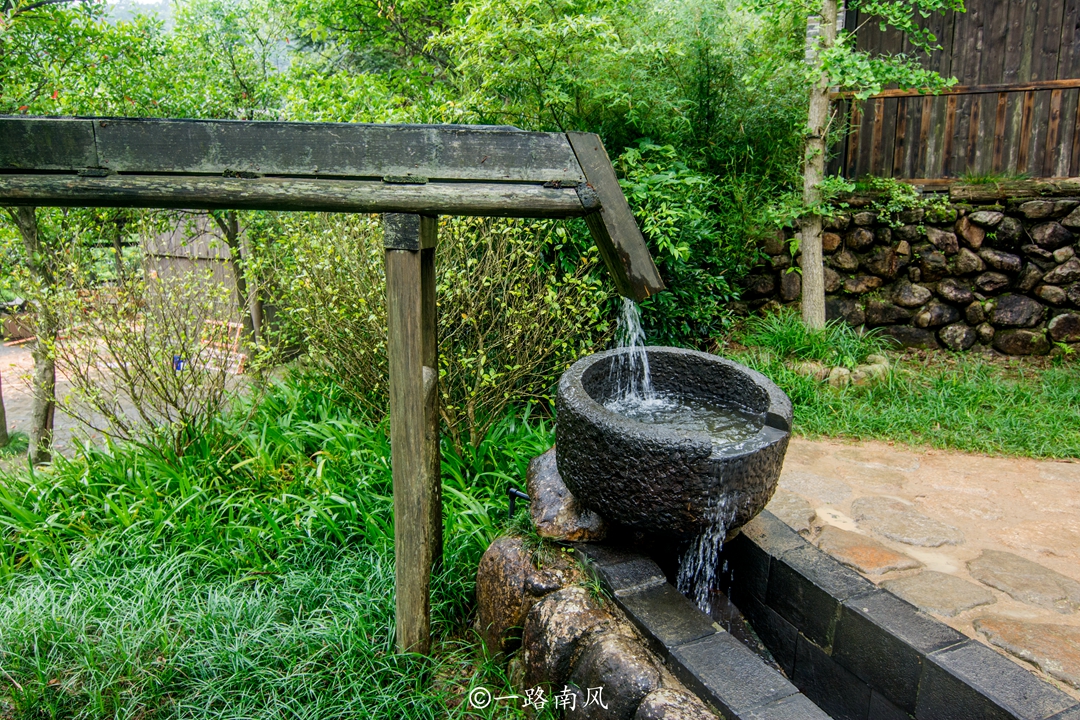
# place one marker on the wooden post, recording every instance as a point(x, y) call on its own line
point(409, 242)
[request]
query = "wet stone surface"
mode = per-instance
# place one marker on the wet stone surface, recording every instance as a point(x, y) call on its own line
point(792, 509)
point(671, 704)
point(1054, 649)
point(555, 512)
point(863, 553)
point(1026, 581)
point(940, 593)
point(899, 521)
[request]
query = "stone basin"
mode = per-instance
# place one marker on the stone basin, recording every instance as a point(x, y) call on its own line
point(659, 479)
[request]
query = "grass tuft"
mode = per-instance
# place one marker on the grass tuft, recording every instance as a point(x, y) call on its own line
point(784, 334)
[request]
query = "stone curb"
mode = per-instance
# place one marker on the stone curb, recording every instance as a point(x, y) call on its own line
point(861, 652)
point(706, 659)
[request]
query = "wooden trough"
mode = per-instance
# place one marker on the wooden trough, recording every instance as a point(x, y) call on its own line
point(411, 174)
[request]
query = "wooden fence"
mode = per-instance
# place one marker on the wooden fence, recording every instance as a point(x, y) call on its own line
point(1016, 108)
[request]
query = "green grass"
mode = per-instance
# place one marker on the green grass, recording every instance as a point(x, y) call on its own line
point(18, 443)
point(1028, 407)
point(250, 578)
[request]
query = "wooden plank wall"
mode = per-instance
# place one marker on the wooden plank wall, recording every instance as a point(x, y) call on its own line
point(1013, 131)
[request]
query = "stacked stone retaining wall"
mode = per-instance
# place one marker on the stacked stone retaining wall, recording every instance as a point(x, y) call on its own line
point(1002, 277)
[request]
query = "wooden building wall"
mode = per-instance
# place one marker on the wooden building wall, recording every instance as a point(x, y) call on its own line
point(1015, 110)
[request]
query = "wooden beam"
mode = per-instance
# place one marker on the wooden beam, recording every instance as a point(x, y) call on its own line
point(429, 326)
point(413, 501)
point(1011, 189)
point(614, 228)
point(973, 89)
point(211, 193)
point(458, 153)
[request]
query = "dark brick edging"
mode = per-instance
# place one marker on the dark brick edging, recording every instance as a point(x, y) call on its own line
point(861, 652)
point(705, 658)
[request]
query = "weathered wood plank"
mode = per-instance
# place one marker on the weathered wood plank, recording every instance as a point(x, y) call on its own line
point(503, 200)
point(1023, 139)
point(1074, 163)
point(1053, 149)
point(999, 192)
point(345, 150)
point(988, 89)
point(949, 131)
point(851, 162)
point(61, 144)
point(614, 228)
point(876, 160)
point(412, 498)
point(998, 164)
point(429, 324)
point(922, 166)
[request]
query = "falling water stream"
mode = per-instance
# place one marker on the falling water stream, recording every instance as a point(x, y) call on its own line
point(634, 397)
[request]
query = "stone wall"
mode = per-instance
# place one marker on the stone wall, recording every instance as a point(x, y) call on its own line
point(966, 277)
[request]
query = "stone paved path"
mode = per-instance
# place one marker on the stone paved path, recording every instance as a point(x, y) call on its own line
point(989, 546)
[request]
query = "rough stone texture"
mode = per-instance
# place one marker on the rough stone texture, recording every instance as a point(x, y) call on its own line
point(1051, 294)
point(555, 512)
point(986, 333)
point(864, 218)
point(909, 233)
point(555, 630)
point(990, 282)
point(936, 314)
point(1073, 293)
point(911, 337)
point(974, 313)
point(1003, 261)
point(655, 479)
point(837, 222)
point(780, 262)
point(1008, 233)
point(671, 704)
point(833, 281)
point(986, 218)
point(944, 241)
point(1073, 219)
point(626, 671)
point(886, 262)
point(845, 308)
point(967, 262)
point(759, 286)
point(884, 313)
point(1051, 236)
point(1065, 328)
point(1029, 277)
point(903, 523)
point(1043, 258)
point(830, 242)
point(939, 593)
point(909, 295)
point(1037, 209)
point(845, 260)
point(955, 291)
point(1065, 273)
point(774, 243)
point(941, 215)
point(1064, 254)
point(790, 286)
point(972, 234)
point(1017, 311)
point(862, 553)
point(1026, 581)
point(860, 238)
point(958, 336)
point(827, 490)
point(1055, 649)
point(507, 586)
point(1021, 342)
point(792, 509)
point(933, 265)
point(861, 284)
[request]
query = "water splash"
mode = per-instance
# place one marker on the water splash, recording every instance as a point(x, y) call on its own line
point(698, 569)
point(630, 371)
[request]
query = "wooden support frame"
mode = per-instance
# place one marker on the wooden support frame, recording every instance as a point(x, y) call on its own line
point(411, 174)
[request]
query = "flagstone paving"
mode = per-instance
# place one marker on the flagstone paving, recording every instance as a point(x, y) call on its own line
point(989, 546)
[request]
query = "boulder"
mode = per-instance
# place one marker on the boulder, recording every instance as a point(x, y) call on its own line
point(967, 262)
point(933, 266)
point(986, 218)
point(944, 241)
point(990, 282)
point(1021, 342)
point(1073, 220)
point(830, 242)
point(507, 586)
point(845, 260)
point(1008, 233)
point(986, 333)
point(774, 243)
point(1043, 258)
point(1051, 236)
point(864, 218)
point(908, 295)
point(672, 704)
point(958, 336)
point(972, 234)
point(837, 222)
point(1065, 328)
point(1017, 311)
point(556, 628)
point(623, 668)
point(911, 216)
point(884, 261)
point(911, 337)
point(974, 313)
point(555, 512)
point(780, 262)
point(839, 377)
point(861, 284)
point(1051, 294)
point(759, 286)
point(879, 312)
point(844, 308)
point(1002, 261)
point(860, 238)
point(1064, 254)
point(1029, 277)
point(790, 286)
point(1063, 274)
point(936, 314)
point(910, 233)
point(833, 281)
point(1037, 209)
point(955, 291)
point(1073, 293)
point(883, 236)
